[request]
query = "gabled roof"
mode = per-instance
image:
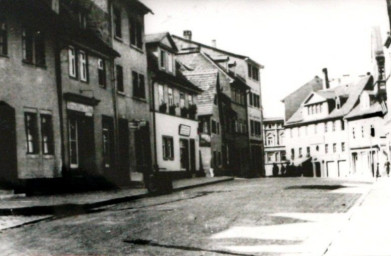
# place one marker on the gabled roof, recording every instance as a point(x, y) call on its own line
point(355, 90)
point(246, 58)
point(178, 80)
point(315, 82)
point(159, 38)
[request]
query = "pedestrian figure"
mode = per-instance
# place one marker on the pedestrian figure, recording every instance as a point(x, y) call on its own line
point(387, 164)
point(283, 170)
point(377, 171)
point(275, 170)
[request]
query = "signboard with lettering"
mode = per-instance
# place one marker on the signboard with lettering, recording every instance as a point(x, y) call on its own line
point(88, 110)
point(184, 130)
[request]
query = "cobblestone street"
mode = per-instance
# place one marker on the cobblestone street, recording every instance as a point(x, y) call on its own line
point(244, 217)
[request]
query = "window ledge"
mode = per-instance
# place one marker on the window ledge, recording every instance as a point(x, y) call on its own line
point(119, 39)
point(136, 48)
point(48, 156)
point(32, 155)
point(139, 99)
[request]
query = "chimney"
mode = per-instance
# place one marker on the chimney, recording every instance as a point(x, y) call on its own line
point(214, 43)
point(187, 34)
point(326, 78)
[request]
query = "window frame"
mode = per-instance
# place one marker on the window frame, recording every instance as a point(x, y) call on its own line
point(167, 152)
point(47, 129)
point(119, 75)
point(31, 130)
point(83, 65)
point(3, 36)
point(72, 63)
point(117, 22)
point(102, 80)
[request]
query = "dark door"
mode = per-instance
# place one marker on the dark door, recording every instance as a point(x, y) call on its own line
point(81, 144)
point(143, 149)
point(317, 169)
point(123, 144)
point(8, 158)
point(184, 153)
point(108, 144)
point(192, 155)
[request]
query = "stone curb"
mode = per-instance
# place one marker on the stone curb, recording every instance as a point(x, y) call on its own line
point(74, 208)
point(349, 215)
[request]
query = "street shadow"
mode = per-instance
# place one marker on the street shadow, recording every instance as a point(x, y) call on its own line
point(320, 187)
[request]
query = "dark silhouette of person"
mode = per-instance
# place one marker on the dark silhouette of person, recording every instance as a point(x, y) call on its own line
point(387, 164)
point(283, 170)
point(275, 170)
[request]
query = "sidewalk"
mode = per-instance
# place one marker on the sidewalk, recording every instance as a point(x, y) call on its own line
point(70, 203)
point(368, 232)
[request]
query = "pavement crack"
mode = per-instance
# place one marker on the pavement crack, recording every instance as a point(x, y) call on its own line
point(180, 247)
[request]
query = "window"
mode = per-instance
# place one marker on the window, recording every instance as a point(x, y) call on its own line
point(138, 85)
point(117, 23)
point(334, 126)
point(30, 120)
point(214, 129)
point(83, 66)
point(190, 99)
point(161, 94)
point(170, 97)
point(3, 37)
point(82, 20)
point(353, 133)
point(136, 33)
point(182, 100)
point(292, 153)
point(107, 140)
point(217, 128)
point(102, 72)
point(72, 62)
point(308, 151)
point(342, 125)
point(343, 147)
point(325, 127)
point(162, 59)
point(47, 134)
point(300, 152)
point(73, 143)
point(270, 140)
point(317, 148)
point(334, 147)
point(255, 128)
point(253, 72)
point(120, 79)
point(168, 148)
point(33, 46)
point(326, 148)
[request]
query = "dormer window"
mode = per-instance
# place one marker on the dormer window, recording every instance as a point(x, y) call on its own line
point(337, 102)
point(166, 61)
point(253, 72)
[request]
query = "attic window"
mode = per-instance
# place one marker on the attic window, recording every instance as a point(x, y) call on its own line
point(337, 102)
point(166, 61)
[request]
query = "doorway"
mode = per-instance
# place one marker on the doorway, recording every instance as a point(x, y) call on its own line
point(123, 144)
point(81, 144)
point(8, 157)
point(143, 149)
point(184, 153)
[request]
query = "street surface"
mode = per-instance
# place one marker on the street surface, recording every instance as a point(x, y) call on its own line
point(273, 216)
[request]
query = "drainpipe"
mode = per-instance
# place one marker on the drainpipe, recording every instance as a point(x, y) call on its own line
point(155, 166)
point(57, 64)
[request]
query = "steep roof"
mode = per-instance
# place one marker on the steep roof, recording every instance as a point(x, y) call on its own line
point(316, 81)
point(219, 50)
point(207, 82)
point(355, 89)
point(376, 108)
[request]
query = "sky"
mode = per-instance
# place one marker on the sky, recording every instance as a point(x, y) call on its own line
point(293, 39)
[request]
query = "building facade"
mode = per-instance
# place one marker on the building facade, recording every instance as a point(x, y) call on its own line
point(275, 154)
point(173, 109)
point(222, 114)
point(246, 70)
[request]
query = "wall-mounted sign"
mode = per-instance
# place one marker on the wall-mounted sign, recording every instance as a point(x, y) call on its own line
point(184, 130)
point(88, 110)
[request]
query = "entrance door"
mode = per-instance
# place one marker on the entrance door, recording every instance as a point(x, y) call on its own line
point(8, 158)
point(123, 143)
point(192, 155)
point(184, 153)
point(317, 169)
point(143, 149)
point(81, 144)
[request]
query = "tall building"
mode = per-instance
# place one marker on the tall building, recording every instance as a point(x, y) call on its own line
point(275, 154)
point(174, 110)
point(248, 71)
